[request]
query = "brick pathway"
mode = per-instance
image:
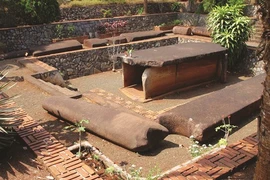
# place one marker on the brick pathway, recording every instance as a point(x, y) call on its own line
point(59, 161)
point(219, 164)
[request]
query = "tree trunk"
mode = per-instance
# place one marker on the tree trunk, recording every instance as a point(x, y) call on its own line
point(145, 6)
point(262, 171)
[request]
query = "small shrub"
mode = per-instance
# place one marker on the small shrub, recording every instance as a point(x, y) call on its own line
point(175, 6)
point(227, 129)
point(106, 13)
point(196, 149)
point(140, 11)
point(231, 29)
point(40, 11)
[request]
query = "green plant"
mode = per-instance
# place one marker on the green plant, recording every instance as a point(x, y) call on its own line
point(70, 30)
point(109, 170)
point(140, 11)
point(128, 13)
point(106, 13)
point(7, 117)
point(79, 127)
point(95, 157)
point(176, 22)
point(59, 31)
point(227, 129)
point(175, 6)
point(196, 149)
point(40, 11)
point(231, 29)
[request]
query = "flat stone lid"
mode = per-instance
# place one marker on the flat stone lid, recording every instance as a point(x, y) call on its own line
point(173, 54)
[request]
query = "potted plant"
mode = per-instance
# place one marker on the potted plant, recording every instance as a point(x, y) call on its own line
point(110, 29)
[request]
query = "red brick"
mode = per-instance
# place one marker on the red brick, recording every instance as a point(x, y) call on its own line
point(203, 175)
point(244, 160)
point(61, 168)
point(213, 171)
point(51, 160)
point(238, 146)
point(49, 157)
point(67, 174)
point(220, 173)
point(240, 156)
point(54, 171)
point(234, 163)
point(66, 154)
point(82, 172)
point(26, 140)
point(191, 177)
point(74, 166)
point(245, 152)
point(253, 151)
point(78, 178)
point(73, 163)
point(190, 171)
point(207, 163)
point(70, 177)
point(230, 149)
point(92, 177)
point(88, 169)
point(229, 154)
point(216, 158)
point(71, 160)
point(184, 168)
point(57, 151)
point(41, 134)
point(228, 164)
point(54, 162)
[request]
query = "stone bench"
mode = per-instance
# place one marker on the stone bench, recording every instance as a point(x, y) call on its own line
point(201, 116)
point(137, 36)
point(125, 129)
point(95, 42)
point(58, 47)
point(117, 40)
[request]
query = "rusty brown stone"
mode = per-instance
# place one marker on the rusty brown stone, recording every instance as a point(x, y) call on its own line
point(183, 30)
point(127, 130)
point(62, 46)
point(201, 116)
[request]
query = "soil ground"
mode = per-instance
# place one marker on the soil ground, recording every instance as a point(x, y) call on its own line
point(173, 151)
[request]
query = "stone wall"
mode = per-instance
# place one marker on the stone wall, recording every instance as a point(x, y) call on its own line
point(31, 36)
point(90, 61)
point(91, 12)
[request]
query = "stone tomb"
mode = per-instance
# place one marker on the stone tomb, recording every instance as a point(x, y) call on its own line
point(153, 72)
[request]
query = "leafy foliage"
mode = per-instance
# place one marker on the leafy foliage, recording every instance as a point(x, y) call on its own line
point(41, 11)
point(7, 116)
point(20, 12)
point(208, 5)
point(79, 127)
point(231, 29)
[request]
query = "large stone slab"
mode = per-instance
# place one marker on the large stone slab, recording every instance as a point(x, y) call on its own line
point(201, 116)
point(127, 130)
point(58, 47)
point(137, 36)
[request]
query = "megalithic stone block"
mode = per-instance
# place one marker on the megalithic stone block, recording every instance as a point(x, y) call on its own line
point(201, 116)
point(127, 130)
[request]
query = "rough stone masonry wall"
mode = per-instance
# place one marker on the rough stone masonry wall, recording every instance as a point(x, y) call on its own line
point(90, 61)
point(31, 36)
point(91, 12)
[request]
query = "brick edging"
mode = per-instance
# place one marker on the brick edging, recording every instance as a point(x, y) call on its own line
point(220, 163)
